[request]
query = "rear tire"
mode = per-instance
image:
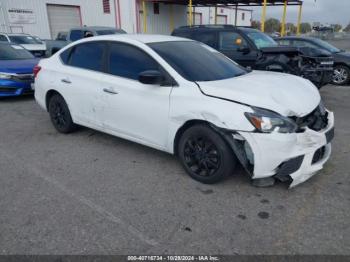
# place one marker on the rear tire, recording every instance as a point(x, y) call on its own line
point(60, 115)
point(205, 155)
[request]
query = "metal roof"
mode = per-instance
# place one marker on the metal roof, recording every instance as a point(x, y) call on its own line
point(229, 2)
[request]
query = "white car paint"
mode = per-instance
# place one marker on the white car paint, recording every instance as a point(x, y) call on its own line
point(152, 115)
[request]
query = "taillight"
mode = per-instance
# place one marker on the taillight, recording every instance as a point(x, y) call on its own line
point(36, 70)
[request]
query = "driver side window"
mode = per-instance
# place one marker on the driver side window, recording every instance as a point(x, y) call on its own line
point(129, 61)
point(231, 41)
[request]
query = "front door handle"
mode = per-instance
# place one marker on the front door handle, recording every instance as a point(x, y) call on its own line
point(66, 81)
point(109, 91)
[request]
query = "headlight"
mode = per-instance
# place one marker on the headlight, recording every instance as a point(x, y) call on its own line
point(5, 76)
point(267, 121)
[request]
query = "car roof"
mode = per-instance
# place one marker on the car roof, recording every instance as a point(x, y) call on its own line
point(297, 37)
point(93, 28)
point(211, 27)
point(143, 38)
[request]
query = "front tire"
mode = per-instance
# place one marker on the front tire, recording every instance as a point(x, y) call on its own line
point(341, 75)
point(205, 155)
point(60, 115)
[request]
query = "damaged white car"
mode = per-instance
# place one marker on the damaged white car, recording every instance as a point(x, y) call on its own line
point(183, 97)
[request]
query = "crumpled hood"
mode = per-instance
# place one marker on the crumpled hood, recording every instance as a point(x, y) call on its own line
point(285, 94)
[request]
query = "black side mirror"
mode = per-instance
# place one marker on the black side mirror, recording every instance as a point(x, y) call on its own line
point(151, 77)
point(244, 49)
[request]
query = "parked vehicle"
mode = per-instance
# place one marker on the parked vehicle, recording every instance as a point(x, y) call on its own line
point(76, 34)
point(185, 98)
point(37, 48)
point(256, 50)
point(16, 70)
point(341, 75)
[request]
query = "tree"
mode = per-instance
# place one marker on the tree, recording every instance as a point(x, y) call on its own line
point(305, 28)
point(256, 24)
point(272, 25)
point(291, 29)
point(337, 27)
point(347, 28)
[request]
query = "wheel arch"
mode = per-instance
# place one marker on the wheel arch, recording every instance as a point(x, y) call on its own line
point(48, 96)
point(184, 127)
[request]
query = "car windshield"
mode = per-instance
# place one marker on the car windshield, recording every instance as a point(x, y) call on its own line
point(38, 40)
point(22, 39)
point(327, 46)
point(197, 62)
point(14, 52)
point(109, 32)
point(261, 40)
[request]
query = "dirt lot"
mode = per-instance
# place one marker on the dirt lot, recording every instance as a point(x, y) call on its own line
point(91, 193)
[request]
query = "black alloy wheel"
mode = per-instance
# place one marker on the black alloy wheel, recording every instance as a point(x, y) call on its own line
point(60, 115)
point(205, 155)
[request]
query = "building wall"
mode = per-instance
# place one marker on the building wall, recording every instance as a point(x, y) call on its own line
point(208, 15)
point(125, 14)
point(91, 14)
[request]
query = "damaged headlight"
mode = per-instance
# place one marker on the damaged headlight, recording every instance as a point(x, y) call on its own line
point(267, 121)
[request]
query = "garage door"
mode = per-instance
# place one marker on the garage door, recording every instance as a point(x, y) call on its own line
point(221, 19)
point(62, 18)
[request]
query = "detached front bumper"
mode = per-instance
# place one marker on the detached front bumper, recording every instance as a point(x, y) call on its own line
point(297, 156)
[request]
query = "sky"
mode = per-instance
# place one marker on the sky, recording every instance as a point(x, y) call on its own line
point(324, 11)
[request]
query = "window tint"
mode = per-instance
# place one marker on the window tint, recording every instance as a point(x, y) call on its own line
point(65, 55)
point(197, 62)
point(129, 61)
point(88, 56)
point(14, 52)
point(206, 38)
point(261, 40)
point(76, 35)
point(231, 41)
point(3, 38)
point(22, 39)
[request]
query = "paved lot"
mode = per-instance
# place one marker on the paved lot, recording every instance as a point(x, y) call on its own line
point(91, 193)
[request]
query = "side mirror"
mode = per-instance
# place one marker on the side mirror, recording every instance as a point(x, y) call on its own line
point(151, 77)
point(244, 49)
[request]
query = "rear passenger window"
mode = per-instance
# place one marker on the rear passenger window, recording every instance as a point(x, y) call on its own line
point(129, 61)
point(65, 55)
point(206, 38)
point(88, 56)
point(76, 35)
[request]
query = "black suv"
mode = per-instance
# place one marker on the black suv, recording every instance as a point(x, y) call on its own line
point(256, 50)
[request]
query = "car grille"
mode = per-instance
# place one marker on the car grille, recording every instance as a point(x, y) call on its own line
point(23, 77)
point(7, 90)
point(325, 63)
point(316, 120)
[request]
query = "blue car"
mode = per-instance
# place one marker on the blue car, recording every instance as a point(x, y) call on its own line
point(16, 70)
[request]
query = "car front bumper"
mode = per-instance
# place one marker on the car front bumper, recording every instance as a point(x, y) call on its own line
point(297, 156)
point(14, 88)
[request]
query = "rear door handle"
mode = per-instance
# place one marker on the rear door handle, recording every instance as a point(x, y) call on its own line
point(66, 81)
point(109, 91)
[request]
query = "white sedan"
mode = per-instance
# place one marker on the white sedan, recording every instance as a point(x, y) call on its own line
point(185, 98)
